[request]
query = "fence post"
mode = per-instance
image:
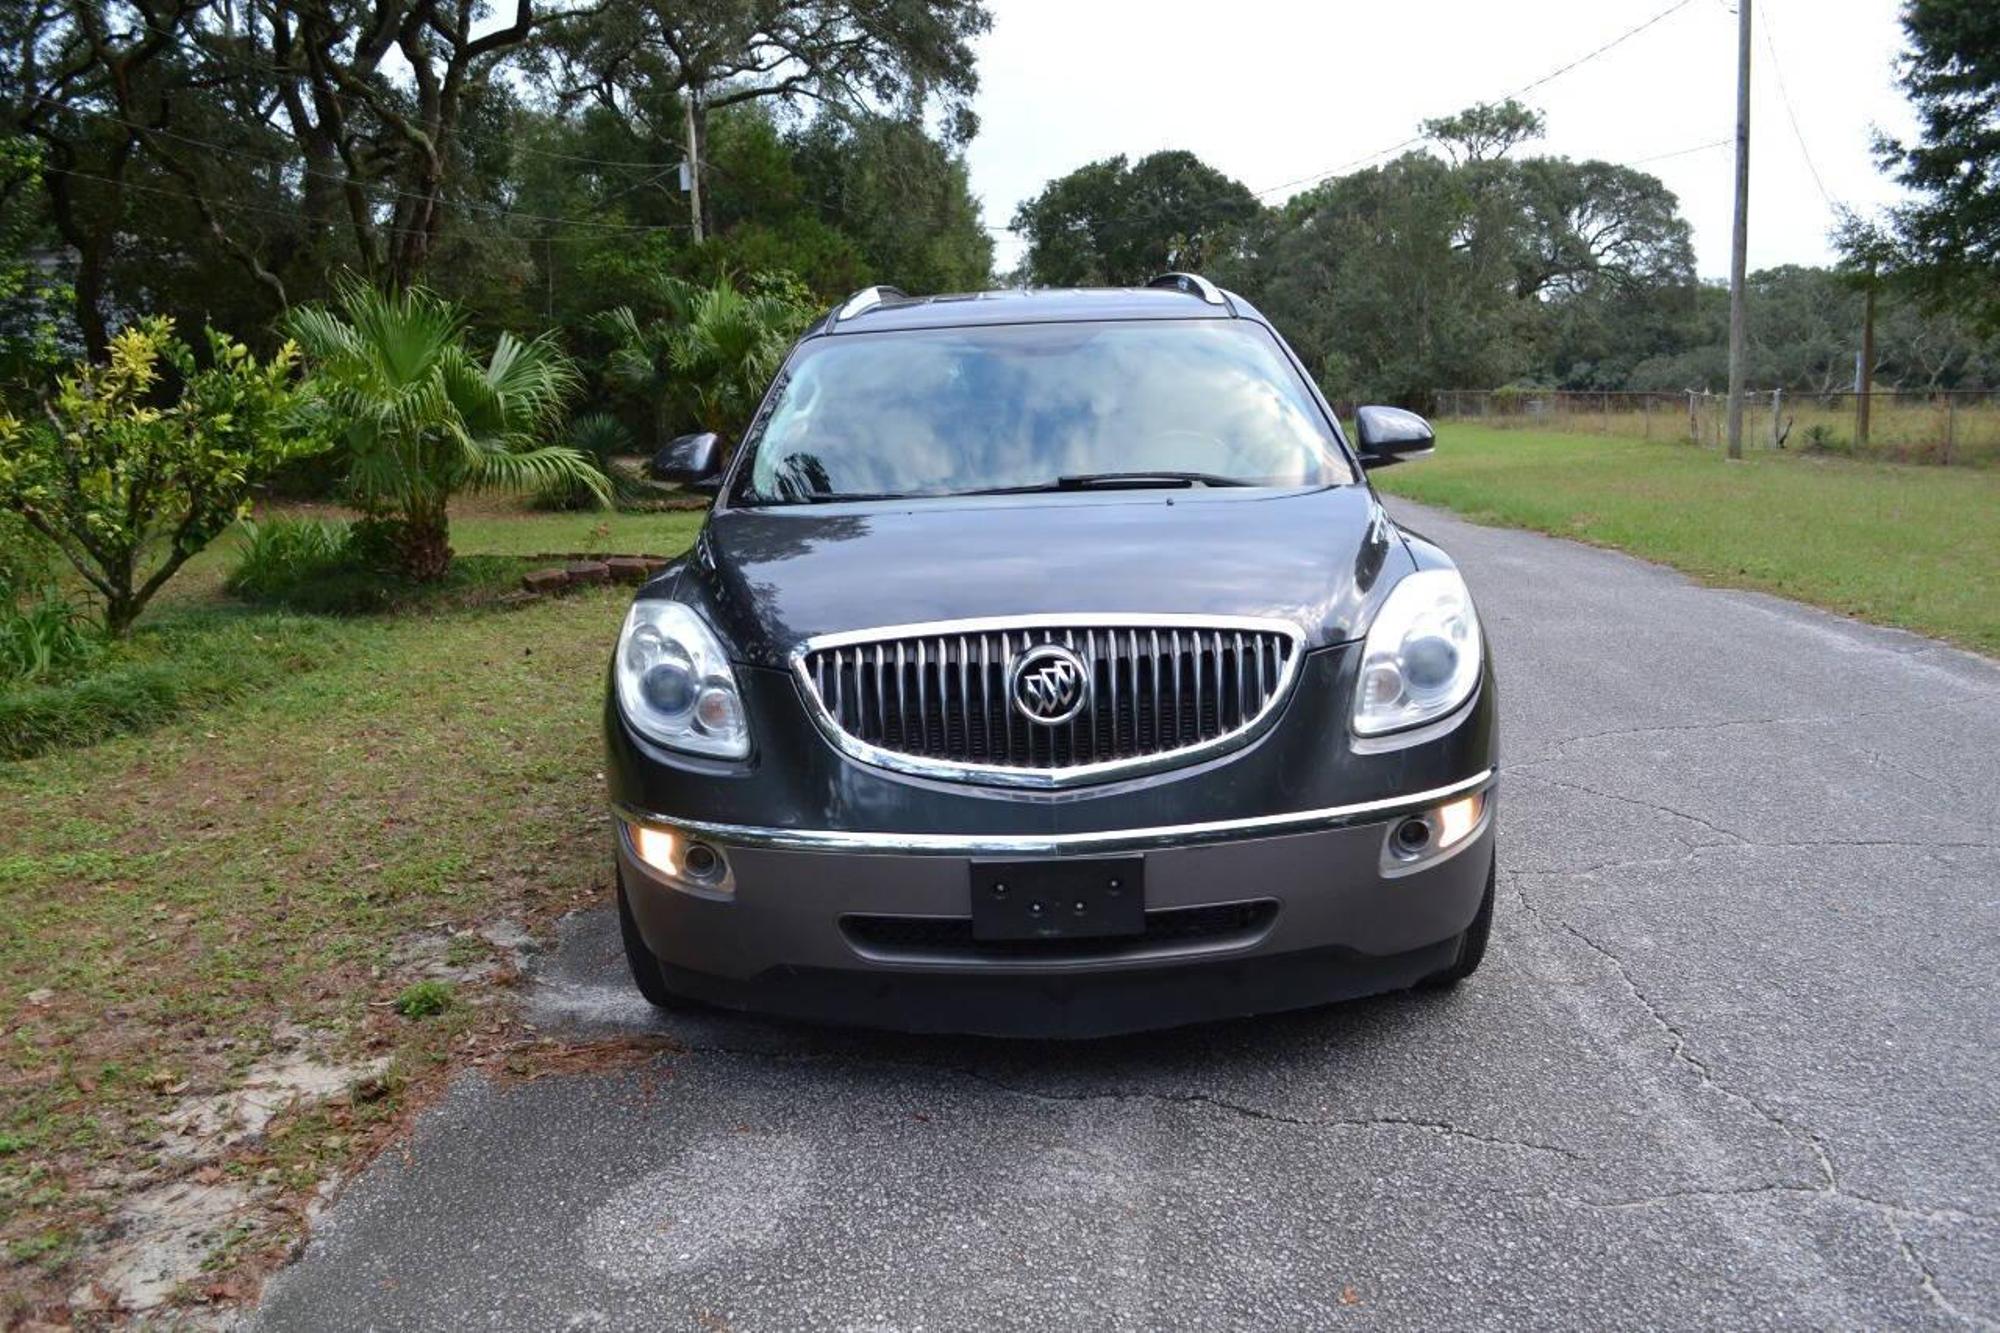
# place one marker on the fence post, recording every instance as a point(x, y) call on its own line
point(1694, 422)
point(1777, 404)
point(1606, 401)
point(1646, 406)
point(1950, 423)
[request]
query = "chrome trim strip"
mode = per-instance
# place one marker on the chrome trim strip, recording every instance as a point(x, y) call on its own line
point(1057, 844)
point(1013, 775)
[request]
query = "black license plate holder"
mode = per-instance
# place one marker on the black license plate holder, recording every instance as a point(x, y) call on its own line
point(1070, 898)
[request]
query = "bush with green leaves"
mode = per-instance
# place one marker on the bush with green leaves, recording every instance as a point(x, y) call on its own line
point(45, 636)
point(330, 568)
point(600, 437)
point(132, 466)
point(706, 363)
point(422, 418)
point(280, 553)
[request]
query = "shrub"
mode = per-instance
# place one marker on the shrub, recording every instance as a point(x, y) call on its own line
point(599, 437)
point(706, 365)
point(157, 674)
point(280, 554)
point(129, 483)
point(342, 569)
point(423, 418)
point(44, 637)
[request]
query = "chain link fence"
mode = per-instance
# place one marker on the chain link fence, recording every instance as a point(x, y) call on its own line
point(1956, 427)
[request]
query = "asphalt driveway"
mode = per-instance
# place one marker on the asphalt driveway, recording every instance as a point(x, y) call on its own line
point(1734, 1060)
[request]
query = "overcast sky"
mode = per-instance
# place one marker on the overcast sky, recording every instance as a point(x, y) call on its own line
point(1269, 91)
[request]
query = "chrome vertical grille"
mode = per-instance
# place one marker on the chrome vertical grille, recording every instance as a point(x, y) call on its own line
point(935, 698)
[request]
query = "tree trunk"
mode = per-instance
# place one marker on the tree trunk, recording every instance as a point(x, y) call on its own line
point(424, 544)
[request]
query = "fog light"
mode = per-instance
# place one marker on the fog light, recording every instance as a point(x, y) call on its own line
point(1457, 820)
point(657, 847)
point(703, 862)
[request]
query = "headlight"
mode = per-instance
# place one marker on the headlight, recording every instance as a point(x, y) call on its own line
point(1421, 659)
point(675, 684)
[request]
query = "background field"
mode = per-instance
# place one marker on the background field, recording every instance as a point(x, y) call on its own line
point(1900, 545)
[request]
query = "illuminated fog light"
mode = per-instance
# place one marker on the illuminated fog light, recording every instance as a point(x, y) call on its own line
point(657, 847)
point(1457, 820)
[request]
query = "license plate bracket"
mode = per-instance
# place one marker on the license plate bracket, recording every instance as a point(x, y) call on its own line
point(1068, 898)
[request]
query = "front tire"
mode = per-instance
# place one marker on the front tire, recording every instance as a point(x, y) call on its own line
point(1471, 942)
point(645, 967)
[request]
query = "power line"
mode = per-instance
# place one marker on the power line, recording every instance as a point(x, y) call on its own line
point(1679, 152)
point(1784, 95)
point(1528, 87)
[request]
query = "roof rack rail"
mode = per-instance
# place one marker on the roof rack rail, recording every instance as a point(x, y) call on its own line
point(1194, 285)
point(867, 299)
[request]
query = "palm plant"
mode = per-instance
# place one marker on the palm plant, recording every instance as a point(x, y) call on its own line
point(601, 438)
point(706, 363)
point(423, 418)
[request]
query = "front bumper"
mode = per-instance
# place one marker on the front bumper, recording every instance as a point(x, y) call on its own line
point(1243, 916)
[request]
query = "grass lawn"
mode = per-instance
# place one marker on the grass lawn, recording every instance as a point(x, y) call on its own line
point(1916, 547)
point(333, 867)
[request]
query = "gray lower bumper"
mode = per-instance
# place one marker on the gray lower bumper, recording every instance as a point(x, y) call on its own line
point(1330, 923)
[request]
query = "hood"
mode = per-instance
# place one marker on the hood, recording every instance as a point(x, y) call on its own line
point(770, 578)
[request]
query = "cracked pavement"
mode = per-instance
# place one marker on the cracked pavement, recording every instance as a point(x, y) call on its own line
point(1731, 1061)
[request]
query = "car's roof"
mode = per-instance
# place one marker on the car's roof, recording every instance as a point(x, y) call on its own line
point(1030, 306)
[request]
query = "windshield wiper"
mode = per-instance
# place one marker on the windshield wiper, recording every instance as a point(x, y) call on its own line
point(1081, 481)
point(1084, 481)
point(1112, 481)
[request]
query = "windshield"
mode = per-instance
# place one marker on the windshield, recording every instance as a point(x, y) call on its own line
point(961, 411)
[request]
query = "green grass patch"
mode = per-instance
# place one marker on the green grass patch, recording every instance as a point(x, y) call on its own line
point(298, 852)
point(422, 999)
point(1914, 547)
point(590, 531)
point(186, 661)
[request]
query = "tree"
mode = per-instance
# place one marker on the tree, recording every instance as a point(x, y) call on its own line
point(1112, 224)
point(905, 198)
point(30, 298)
point(1484, 132)
point(908, 57)
point(422, 418)
point(116, 474)
point(1384, 284)
point(1950, 234)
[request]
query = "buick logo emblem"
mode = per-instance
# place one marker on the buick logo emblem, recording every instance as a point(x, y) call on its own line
point(1049, 684)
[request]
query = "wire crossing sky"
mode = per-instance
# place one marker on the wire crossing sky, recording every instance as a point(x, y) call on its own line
point(1279, 95)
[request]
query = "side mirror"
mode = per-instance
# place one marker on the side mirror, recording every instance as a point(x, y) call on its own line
point(1390, 434)
point(694, 461)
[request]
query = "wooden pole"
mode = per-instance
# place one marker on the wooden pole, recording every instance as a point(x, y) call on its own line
point(1864, 374)
point(1739, 240)
point(694, 167)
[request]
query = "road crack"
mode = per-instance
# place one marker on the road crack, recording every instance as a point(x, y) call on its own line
point(1827, 1186)
point(1517, 771)
point(1244, 1110)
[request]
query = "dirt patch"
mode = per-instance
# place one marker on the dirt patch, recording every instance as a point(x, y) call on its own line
point(202, 1128)
point(164, 1239)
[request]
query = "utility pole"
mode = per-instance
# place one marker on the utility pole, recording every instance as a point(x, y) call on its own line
point(693, 166)
point(1739, 241)
point(1864, 366)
